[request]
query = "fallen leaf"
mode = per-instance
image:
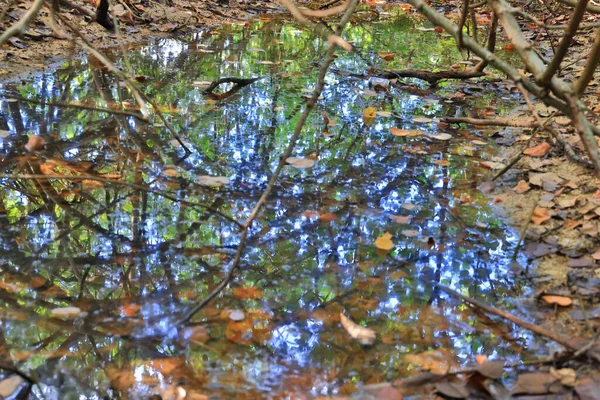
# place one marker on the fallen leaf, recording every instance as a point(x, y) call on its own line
point(300, 162)
point(383, 113)
point(386, 55)
point(35, 143)
point(538, 151)
point(370, 112)
point(129, 310)
point(566, 203)
point(583, 262)
point(384, 242)
point(455, 390)
point(10, 386)
point(441, 136)
point(492, 369)
point(364, 335)
point(521, 187)
point(236, 315)
point(239, 332)
point(442, 163)
point(401, 219)
point(194, 334)
point(559, 300)
point(4, 134)
point(481, 359)
point(251, 292)
point(411, 232)
point(208, 180)
point(536, 383)
point(408, 206)
point(68, 312)
point(540, 215)
point(492, 164)
point(588, 388)
point(566, 376)
point(327, 217)
point(422, 120)
point(546, 177)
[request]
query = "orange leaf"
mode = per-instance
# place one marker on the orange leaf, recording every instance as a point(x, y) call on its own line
point(540, 215)
point(386, 55)
point(509, 47)
point(251, 292)
point(402, 132)
point(129, 310)
point(328, 217)
point(239, 332)
point(538, 151)
point(560, 300)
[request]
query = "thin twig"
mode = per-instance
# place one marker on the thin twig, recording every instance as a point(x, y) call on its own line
point(329, 57)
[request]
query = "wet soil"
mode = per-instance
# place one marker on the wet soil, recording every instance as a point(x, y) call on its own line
point(39, 48)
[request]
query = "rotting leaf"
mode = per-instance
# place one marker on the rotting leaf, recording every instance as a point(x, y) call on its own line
point(536, 383)
point(384, 242)
point(540, 215)
point(422, 120)
point(492, 164)
point(411, 232)
point(364, 335)
point(239, 332)
point(559, 300)
point(194, 334)
point(456, 390)
point(492, 369)
point(538, 151)
point(582, 262)
point(300, 162)
point(10, 386)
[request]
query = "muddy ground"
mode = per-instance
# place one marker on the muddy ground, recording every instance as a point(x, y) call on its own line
point(40, 48)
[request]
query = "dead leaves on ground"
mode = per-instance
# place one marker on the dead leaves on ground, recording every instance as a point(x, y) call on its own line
point(364, 335)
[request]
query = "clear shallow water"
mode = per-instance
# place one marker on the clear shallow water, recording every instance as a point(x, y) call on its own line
point(134, 261)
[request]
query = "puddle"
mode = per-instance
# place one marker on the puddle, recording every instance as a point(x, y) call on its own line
point(134, 261)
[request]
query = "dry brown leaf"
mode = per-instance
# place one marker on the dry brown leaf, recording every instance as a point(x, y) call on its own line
point(540, 215)
point(538, 151)
point(401, 219)
point(522, 187)
point(327, 217)
point(363, 335)
point(129, 310)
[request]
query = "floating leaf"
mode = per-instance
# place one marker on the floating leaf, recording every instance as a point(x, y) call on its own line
point(422, 120)
point(403, 132)
point(540, 215)
point(4, 134)
point(411, 232)
point(408, 206)
point(194, 334)
point(386, 55)
point(327, 217)
point(236, 315)
point(479, 142)
point(363, 335)
point(441, 136)
point(208, 180)
point(251, 292)
point(300, 162)
point(369, 112)
point(401, 219)
point(66, 311)
point(383, 113)
point(384, 242)
point(492, 164)
point(10, 386)
point(491, 369)
point(443, 163)
point(559, 300)
point(538, 151)
point(171, 172)
point(455, 390)
point(239, 332)
point(129, 310)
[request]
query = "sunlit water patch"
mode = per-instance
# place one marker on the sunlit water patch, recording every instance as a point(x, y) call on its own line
point(133, 258)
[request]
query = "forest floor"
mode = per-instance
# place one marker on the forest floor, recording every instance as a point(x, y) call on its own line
point(40, 48)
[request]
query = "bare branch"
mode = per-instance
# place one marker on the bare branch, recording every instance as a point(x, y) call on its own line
point(590, 67)
point(589, 8)
point(461, 24)
point(565, 42)
point(325, 13)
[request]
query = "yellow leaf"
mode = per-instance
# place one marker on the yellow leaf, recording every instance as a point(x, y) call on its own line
point(384, 242)
point(370, 112)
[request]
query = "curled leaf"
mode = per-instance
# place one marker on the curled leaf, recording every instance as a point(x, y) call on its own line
point(363, 335)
